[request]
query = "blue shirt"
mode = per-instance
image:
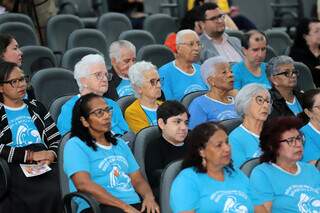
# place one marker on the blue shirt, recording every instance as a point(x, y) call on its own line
point(124, 88)
point(294, 106)
point(118, 124)
point(242, 76)
point(177, 83)
point(199, 192)
point(24, 132)
point(244, 145)
point(151, 115)
point(204, 108)
point(289, 193)
point(108, 167)
point(312, 143)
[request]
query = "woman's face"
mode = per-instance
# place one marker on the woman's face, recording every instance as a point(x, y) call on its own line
point(151, 86)
point(314, 113)
point(217, 151)
point(14, 88)
point(291, 146)
point(259, 107)
point(13, 53)
point(96, 81)
point(99, 120)
point(222, 79)
point(313, 37)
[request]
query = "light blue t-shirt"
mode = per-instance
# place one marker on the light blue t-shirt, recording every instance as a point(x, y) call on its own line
point(24, 132)
point(151, 115)
point(109, 167)
point(201, 193)
point(118, 124)
point(289, 193)
point(312, 143)
point(177, 83)
point(242, 76)
point(124, 88)
point(204, 108)
point(295, 106)
point(244, 145)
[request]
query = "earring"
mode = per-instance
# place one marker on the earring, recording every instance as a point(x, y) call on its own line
point(204, 162)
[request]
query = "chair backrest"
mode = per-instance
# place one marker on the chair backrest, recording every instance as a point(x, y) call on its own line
point(51, 83)
point(270, 54)
point(74, 55)
point(112, 25)
point(138, 38)
point(151, 6)
point(249, 165)
point(231, 124)
point(16, 17)
point(36, 58)
point(160, 26)
point(155, 53)
point(278, 40)
point(143, 138)
point(188, 98)
point(63, 179)
point(235, 33)
point(167, 177)
point(5, 178)
point(125, 101)
point(305, 79)
point(55, 107)
point(23, 33)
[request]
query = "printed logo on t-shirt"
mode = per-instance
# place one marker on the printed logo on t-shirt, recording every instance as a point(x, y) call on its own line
point(232, 201)
point(228, 114)
point(125, 90)
point(193, 88)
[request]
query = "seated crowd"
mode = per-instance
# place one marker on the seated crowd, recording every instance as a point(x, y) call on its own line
point(279, 125)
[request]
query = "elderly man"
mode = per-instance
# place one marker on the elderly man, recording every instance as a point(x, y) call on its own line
point(182, 75)
point(283, 76)
point(252, 69)
point(92, 77)
point(213, 38)
point(123, 55)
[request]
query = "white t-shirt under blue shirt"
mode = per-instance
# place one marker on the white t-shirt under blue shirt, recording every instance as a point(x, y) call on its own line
point(24, 132)
point(289, 193)
point(124, 88)
point(312, 143)
point(295, 106)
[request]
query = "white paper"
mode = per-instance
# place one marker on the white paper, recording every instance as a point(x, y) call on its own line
point(31, 170)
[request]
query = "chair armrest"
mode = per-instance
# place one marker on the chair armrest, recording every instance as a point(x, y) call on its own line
point(67, 201)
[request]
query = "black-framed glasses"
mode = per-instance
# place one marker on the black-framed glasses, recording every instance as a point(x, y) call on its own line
point(260, 100)
point(101, 112)
point(192, 44)
point(288, 73)
point(101, 75)
point(17, 81)
point(293, 141)
point(216, 18)
point(155, 81)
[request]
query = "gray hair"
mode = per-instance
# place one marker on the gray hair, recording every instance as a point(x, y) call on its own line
point(245, 95)
point(82, 67)
point(275, 62)
point(116, 46)
point(182, 33)
point(208, 67)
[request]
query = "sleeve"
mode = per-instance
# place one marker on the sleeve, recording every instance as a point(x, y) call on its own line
point(237, 84)
point(197, 114)
point(73, 151)
point(121, 125)
point(64, 119)
point(260, 187)
point(135, 119)
point(310, 150)
point(132, 163)
point(165, 85)
point(12, 154)
point(237, 153)
point(184, 185)
point(153, 163)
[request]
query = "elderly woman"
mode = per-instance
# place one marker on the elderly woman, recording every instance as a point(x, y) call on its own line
point(253, 103)
point(217, 104)
point(28, 136)
point(105, 166)
point(311, 131)
point(92, 77)
point(282, 183)
point(208, 178)
point(9, 49)
point(306, 46)
point(283, 76)
point(145, 81)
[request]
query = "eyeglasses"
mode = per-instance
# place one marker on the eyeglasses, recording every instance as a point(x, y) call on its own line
point(155, 81)
point(101, 75)
point(101, 112)
point(260, 100)
point(293, 141)
point(288, 73)
point(191, 44)
point(219, 17)
point(16, 82)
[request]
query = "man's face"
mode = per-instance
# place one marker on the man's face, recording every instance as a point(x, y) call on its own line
point(190, 47)
point(127, 59)
point(256, 52)
point(214, 24)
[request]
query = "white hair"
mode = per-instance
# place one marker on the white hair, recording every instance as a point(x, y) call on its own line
point(116, 46)
point(182, 33)
point(208, 68)
point(82, 67)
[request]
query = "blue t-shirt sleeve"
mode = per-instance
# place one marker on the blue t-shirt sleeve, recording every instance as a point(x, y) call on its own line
point(310, 150)
point(184, 185)
point(64, 119)
point(132, 163)
point(74, 158)
point(119, 126)
point(237, 84)
point(237, 153)
point(165, 84)
point(197, 114)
